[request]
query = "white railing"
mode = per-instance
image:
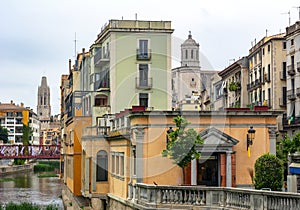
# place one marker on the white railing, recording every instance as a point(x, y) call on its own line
point(162, 196)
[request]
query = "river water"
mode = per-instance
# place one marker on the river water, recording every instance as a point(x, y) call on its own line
point(27, 187)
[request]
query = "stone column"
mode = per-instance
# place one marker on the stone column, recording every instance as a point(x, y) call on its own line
point(194, 172)
point(272, 138)
point(228, 169)
point(139, 135)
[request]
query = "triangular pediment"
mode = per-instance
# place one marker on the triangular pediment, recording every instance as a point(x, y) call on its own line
point(213, 136)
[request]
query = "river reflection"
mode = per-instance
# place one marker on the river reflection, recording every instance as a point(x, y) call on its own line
point(27, 187)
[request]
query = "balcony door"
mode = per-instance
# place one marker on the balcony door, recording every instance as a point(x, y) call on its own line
point(143, 75)
point(143, 48)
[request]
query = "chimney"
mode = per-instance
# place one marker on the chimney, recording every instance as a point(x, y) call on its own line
point(22, 104)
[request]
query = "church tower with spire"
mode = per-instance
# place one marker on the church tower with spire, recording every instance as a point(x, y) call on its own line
point(43, 102)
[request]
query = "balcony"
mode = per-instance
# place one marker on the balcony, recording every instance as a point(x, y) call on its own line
point(291, 70)
point(282, 102)
point(101, 85)
point(298, 92)
point(283, 75)
point(287, 123)
point(143, 54)
point(101, 59)
point(94, 131)
point(298, 66)
point(255, 84)
point(141, 83)
point(291, 95)
point(143, 196)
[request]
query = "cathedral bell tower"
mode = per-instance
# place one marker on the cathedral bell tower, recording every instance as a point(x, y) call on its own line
point(190, 52)
point(43, 103)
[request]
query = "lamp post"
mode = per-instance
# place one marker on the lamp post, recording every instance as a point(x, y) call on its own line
point(250, 138)
point(167, 136)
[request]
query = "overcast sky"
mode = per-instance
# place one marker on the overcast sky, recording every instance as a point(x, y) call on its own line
point(37, 36)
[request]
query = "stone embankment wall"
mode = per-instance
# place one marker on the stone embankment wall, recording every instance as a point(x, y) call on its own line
point(6, 170)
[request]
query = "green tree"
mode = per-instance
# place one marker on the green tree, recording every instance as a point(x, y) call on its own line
point(27, 133)
point(288, 145)
point(181, 147)
point(3, 134)
point(268, 172)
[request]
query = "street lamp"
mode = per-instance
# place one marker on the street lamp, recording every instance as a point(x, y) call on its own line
point(250, 138)
point(167, 136)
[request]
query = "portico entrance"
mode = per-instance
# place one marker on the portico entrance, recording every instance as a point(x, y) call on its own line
point(216, 166)
point(208, 168)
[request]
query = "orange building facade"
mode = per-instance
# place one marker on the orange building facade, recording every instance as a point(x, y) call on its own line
point(126, 149)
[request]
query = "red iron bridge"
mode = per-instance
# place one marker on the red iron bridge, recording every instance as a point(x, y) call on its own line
point(30, 151)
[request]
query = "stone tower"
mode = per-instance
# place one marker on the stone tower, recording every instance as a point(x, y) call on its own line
point(190, 52)
point(43, 103)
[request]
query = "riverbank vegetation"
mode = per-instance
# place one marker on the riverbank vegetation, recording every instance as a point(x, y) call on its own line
point(26, 206)
point(43, 166)
point(47, 175)
point(6, 179)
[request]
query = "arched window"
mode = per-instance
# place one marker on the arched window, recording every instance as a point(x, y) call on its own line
point(102, 166)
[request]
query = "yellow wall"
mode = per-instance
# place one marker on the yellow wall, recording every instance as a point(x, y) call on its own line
point(73, 153)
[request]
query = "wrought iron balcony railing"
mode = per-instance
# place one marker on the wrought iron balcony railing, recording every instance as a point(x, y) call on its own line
point(143, 54)
point(143, 83)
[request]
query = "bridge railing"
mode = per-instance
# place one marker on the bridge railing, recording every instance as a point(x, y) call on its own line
point(162, 196)
point(30, 151)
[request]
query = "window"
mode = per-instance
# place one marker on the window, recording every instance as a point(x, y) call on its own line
point(143, 99)
point(192, 54)
point(143, 75)
point(269, 72)
point(292, 42)
point(284, 45)
point(143, 49)
point(113, 163)
point(121, 164)
point(284, 95)
point(263, 50)
point(292, 62)
point(100, 100)
point(134, 160)
point(117, 164)
point(19, 114)
point(284, 70)
point(9, 114)
point(102, 161)
point(186, 54)
point(269, 96)
point(269, 48)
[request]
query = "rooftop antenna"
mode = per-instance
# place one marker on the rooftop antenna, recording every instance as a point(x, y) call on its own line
point(135, 16)
point(288, 13)
point(266, 32)
point(75, 42)
point(298, 8)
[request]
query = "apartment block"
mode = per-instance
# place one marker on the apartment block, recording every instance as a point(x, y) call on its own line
point(13, 117)
point(234, 83)
point(267, 72)
point(130, 64)
point(291, 119)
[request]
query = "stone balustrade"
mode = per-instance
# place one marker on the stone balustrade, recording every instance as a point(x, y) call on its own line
point(199, 197)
